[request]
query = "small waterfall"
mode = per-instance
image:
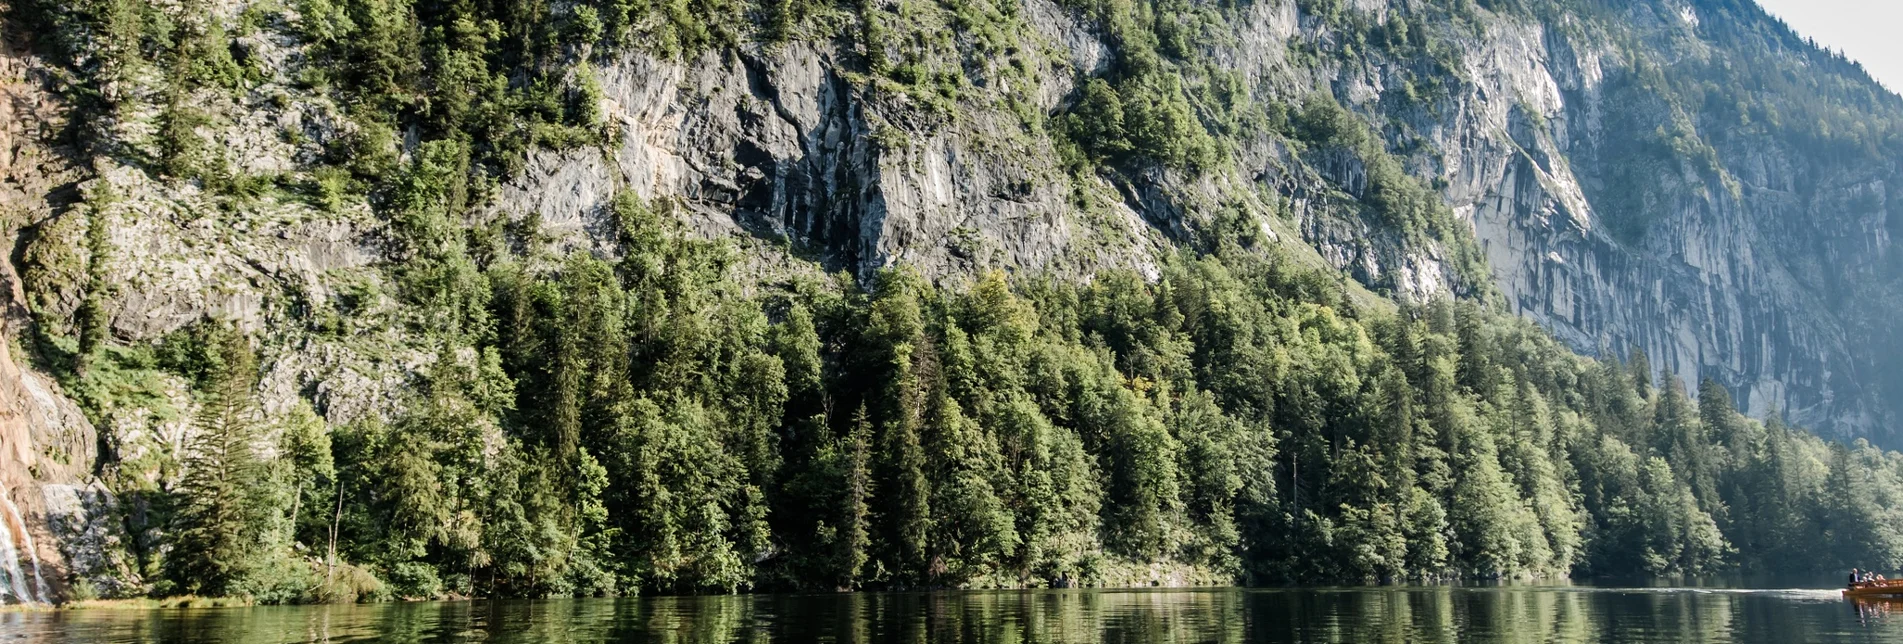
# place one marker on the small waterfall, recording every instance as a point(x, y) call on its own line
point(14, 577)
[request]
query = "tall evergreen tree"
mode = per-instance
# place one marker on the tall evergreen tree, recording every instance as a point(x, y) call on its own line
point(855, 530)
point(219, 521)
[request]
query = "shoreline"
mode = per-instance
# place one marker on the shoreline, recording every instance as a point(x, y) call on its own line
point(1806, 582)
point(140, 603)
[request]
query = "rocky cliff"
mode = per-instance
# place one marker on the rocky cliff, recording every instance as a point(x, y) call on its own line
point(58, 522)
point(1756, 261)
point(1652, 175)
point(1748, 257)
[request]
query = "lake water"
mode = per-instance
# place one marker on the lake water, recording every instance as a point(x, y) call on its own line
point(1432, 614)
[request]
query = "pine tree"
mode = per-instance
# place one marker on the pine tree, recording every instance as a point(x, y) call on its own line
point(217, 527)
point(1682, 439)
point(855, 543)
point(1491, 525)
point(1395, 420)
point(1640, 369)
point(909, 517)
point(896, 326)
point(94, 319)
point(1735, 437)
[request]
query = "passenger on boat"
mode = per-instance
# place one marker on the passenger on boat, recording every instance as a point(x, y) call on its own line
point(1855, 576)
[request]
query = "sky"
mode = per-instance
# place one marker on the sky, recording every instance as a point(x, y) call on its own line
point(1864, 30)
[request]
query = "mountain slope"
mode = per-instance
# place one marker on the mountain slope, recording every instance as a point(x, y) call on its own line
point(1685, 179)
point(416, 214)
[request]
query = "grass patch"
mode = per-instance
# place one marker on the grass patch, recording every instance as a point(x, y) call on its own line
point(145, 603)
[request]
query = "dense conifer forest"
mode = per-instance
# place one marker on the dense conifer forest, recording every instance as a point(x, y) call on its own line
point(645, 426)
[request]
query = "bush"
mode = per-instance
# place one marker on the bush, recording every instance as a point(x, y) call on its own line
point(1323, 122)
point(346, 583)
point(1162, 126)
point(415, 580)
point(280, 578)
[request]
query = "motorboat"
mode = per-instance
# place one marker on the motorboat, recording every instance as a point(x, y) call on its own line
point(1884, 589)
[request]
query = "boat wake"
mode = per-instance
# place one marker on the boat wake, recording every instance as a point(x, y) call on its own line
point(1792, 594)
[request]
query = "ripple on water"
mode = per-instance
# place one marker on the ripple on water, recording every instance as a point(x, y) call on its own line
point(1386, 614)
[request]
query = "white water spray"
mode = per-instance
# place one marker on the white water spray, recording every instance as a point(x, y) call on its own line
point(15, 582)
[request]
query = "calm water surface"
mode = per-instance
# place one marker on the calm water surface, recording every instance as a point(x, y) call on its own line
point(1436, 614)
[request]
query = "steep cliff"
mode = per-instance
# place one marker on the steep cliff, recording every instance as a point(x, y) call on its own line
point(1710, 227)
point(58, 522)
point(1683, 177)
point(1691, 201)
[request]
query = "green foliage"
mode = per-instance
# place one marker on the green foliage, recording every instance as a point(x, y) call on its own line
point(93, 318)
point(306, 463)
point(1097, 120)
point(855, 538)
point(1163, 102)
point(650, 419)
point(688, 490)
point(227, 537)
point(1162, 126)
point(180, 146)
point(647, 426)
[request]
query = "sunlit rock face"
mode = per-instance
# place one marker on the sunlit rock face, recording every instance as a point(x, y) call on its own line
point(58, 523)
point(1766, 266)
point(776, 145)
point(1767, 270)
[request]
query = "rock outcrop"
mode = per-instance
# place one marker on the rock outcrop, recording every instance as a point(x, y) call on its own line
point(774, 143)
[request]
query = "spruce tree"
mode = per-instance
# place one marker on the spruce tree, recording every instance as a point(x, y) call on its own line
point(855, 541)
point(217, 524)
point(94, 319)
point(909, 517)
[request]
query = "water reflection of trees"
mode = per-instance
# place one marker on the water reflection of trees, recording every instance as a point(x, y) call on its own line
point(1113, 617)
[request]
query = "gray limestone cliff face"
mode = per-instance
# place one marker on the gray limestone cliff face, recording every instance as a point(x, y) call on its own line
point(1743, 277)
point(774, 145)
point(1755, 274)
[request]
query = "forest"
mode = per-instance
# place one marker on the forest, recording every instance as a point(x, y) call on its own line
point(654, 420)
point(644, 426)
